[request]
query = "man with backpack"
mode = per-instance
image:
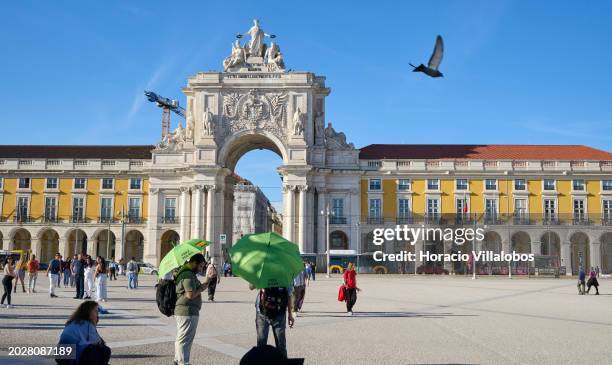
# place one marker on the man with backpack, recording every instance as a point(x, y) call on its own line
point(53, 272)
point(273, 308)
point(213, 276)
point(188, 304)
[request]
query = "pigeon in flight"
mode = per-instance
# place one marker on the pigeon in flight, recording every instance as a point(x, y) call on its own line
point(436, 58)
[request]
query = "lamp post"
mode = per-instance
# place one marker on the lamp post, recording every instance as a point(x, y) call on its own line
point(327, 213)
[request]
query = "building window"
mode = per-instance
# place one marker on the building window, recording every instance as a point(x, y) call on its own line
point(490, 184)
point(491, 209)
point(606, 185)
point(134, 210)
point(338, 211)
point(520, 208)
point(375, 184)
point(578, 185)
point(78, 209)
point(52, 183)
point(170, 210)
point(433, 184)
point(433, 209)
point(461, 184)
point(135, 183)
point(50, 208)
point(403, 206)
point(23, 203)
point(374, 208)
point(24, 183)
point(1, 182)
point(579, 211)
point(403, 185)
point(549, 184)
point(79, 182)
point(550, 210)
point(106, 209)
point(107, 183)
point(520, 185)
point(607, 211)
point(462, 207)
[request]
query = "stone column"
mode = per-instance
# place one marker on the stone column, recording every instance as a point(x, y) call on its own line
point(321, 222)
point(288, 216)
point(210, 202)
point(196, 208)
point(119, 250)
point(310, 219)
point(536, 247)
point(35, 247)
point(448, 265)
point(63, 246)
point(302, 218)
point(354, 220)
point(153, 247)
point(566, 257)
point(595, 251)
point(185, 218)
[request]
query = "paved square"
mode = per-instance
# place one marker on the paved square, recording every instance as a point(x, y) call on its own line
point(398, 320)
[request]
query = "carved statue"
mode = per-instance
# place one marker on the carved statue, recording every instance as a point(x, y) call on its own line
point(256, 45)
point(298, 122)
point(189, 121)
point(207, 123)
point(335, 140)
point(320, 128)
point(274, 58)
point(176, 137)
point(237, 57)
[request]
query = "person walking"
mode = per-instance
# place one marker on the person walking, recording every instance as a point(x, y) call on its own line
point(66, 271)
point(101, 294)
point(213, 279)
point(299, 290)
point(7, 281)
point(593, 282)
point(59, 277)
point(20, 269)
point(581, 281)
point(351, 289)
point(53, 273)
point(122, 267)
point(313, 267)
point(597, 270)
point(308, 268)
point(273, 308)
point(78, 272)
point(33, 267)
point(81, 332)
point(188, 305)
point(132, 267)
point(90, 275)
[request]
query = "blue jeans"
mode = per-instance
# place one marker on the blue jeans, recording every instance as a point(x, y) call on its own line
point(278, 324)
point(79, 280)
point(67, 274)
point(131, 280)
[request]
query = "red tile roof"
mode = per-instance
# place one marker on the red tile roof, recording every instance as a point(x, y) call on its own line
point(138, 152)
point(481, 152)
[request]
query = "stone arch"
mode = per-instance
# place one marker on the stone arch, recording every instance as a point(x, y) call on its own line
point(49, 244)
point(167, 241)
point(551, 244)
point(105, 243)
point(580, 251)
point(242, 142)
point(492, 242)
point(76, 241)
point(368, 243)
point(134, 245)
point(521, 242)
point(21, 239)
point(606, 252)
point(338, 240)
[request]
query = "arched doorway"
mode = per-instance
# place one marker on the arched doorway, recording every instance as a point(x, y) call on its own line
point(492, 242)
point(606, 252)
point(521, 243)
point(77, 242)
point(106, 244)
point(461, 267)
point(49, 245)
point(551, 244)
point(338, 240)
point(134, 245)
point(579, 249)
point(168, 240)
point(22, 240)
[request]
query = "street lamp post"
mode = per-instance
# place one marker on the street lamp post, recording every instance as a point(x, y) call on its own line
point(327, 213)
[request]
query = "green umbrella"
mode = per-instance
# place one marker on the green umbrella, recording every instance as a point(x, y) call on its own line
point(266, 260)
point(179, 254)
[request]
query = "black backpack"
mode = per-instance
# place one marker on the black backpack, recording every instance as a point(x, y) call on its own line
point(165, 295)
point(273, 301)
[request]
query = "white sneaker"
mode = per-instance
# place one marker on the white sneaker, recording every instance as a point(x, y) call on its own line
point(10, 306)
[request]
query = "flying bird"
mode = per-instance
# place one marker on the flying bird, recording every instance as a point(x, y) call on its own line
point(434, 62)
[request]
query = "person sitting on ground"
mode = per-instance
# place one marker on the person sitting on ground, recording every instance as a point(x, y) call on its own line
point(81, 332)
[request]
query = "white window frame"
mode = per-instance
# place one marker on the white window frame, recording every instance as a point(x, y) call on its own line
point(399, 213)
point(404, 190)
point(526, 200)
point(438, 206)
point(606, 214)
point(102, 183)
point(29, 187)
point(130, 183)
point(496, 205)
point(602, 187)
point(74, 180)
point(467, 186)
point(514, 185)
point(130, 197)
point(57, 183)
point(556, 207)
point(380, 211)
point(496, 185)
point(76, 196)
point(342, 200)
point(1, 183)
point(52, 196)
point(380, 184)
point(583, 186)
point(427, 184)
point(462, 198)
point(28, 197)
point(544, 185)
point(175, 198)
point(585, 213)
point(112, 198)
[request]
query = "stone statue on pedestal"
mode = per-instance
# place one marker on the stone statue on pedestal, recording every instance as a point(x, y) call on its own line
point(320, 128)
point(238, 56)
point(274, 58)
point(256, 45)
point(207, 123)
point(298, 122)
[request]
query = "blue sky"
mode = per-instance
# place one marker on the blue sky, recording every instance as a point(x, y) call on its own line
point(515, 71)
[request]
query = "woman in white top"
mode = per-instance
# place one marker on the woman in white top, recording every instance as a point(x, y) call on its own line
point(90, 273)
point(101, 278)
point(7, 281)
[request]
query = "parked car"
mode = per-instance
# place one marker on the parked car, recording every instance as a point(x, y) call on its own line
point(146, 268)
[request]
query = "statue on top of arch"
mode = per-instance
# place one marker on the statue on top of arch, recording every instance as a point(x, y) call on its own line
point(255, 52)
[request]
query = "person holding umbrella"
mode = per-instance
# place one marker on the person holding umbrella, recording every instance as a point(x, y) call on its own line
point(269, 262)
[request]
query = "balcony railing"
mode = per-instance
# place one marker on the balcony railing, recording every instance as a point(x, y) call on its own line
point(169, 220)
point(375, 220)
point(492, 220)
point(49, 219)
point(404, 220)
point(337, 220)
point(132, 219)
point(23, 219)
point(106, 220)
point(581, 221)
point(521, 220)
point(78, 219)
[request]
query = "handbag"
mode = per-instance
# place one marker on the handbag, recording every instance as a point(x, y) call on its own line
point(342, 293)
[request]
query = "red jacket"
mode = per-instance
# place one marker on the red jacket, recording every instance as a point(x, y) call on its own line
point(350, 279)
